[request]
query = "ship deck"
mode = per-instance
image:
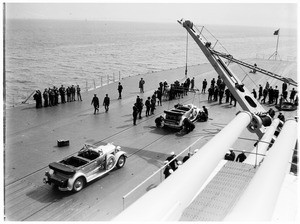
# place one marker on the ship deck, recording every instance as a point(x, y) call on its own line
point(31, 143)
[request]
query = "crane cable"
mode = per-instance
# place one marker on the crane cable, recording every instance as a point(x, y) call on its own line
point(186, 54)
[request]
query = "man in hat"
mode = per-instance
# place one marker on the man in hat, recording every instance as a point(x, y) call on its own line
point(174, 163)
point(95, 102)
point(241, 157)
point(168, 170)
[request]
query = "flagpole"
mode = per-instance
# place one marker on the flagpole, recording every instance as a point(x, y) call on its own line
point(277, 45)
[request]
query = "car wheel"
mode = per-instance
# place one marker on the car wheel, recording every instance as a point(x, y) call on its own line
point(110, 162)
point(121, 161)
point(78, 184)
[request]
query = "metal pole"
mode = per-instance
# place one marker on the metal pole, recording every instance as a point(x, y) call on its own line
point(107, 79)
point(119, 76)
point(101, 81)
point(277, 45)
point(186, 55)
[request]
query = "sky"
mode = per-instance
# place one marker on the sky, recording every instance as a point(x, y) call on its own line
point(242, 14)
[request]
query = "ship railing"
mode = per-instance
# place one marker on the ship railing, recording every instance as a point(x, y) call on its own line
point(88, 85)
point(156, 178)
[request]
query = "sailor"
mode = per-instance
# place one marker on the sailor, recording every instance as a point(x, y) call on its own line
point(95, 102)
point(241, 157)
point(188, 125)
point(78, 93)
point(292, 95)
point(174, 162)
point(276, 94)
point(192, 83)
point(186, 157)
point(37, 99)
point(204, 84)
point(140, 108)
point(120, 88)
point(284, 87)
point(141, 85)
point(152, 105)
point(260, 91)
point(168, 170)
point(230, 155)
point(159, 96)
point(135, 113)
point(106, 102)
point(148, 106)
point(62, 93)
point(46, 98)
point(254, 93)
point(227, 94)
point(73, 93)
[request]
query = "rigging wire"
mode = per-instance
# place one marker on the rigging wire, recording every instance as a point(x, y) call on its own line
point(186, 53)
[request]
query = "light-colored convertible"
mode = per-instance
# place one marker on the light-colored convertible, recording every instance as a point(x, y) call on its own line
point(91, 162)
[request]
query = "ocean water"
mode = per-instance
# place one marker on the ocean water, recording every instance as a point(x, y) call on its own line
point(43, 53)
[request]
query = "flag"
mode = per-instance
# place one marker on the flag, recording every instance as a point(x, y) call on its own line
point(276, 32)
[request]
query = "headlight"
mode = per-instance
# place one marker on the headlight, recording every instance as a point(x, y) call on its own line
point(118, 148)
point(51, 172)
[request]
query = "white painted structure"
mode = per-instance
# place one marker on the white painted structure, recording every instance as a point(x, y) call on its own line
point(168, 201)
point(259, 199)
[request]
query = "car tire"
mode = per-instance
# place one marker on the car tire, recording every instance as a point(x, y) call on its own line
point(121, 161)
point(78, 184)
point(110, 162)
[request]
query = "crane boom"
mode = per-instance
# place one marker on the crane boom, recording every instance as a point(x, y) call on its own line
point(263, 71)
point(236, 87)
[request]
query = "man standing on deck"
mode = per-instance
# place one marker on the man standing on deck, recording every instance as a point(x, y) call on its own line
point(141, 85)
point(120, 88)
point(260, 91)
point(241, 157)
point(46, 98)
point(62, 93)
point(276, 95)
point(106, 102)
point(134, 113)
point(192, 83)
point(78, 93)
point(95, 102)
point(148, 106)
point(284, 87)
point(204, 84)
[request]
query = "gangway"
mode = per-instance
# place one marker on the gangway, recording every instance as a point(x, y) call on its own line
point(230, 58)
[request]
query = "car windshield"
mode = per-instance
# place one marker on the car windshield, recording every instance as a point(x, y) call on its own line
point(183, 108)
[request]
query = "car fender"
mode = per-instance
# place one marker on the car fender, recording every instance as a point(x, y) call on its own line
point(120, 153)
point(72, 179)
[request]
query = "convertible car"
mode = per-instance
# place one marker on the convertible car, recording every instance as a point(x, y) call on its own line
point(175, 117)
point(91, 162)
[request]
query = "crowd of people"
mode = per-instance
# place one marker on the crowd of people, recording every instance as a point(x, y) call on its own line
point(217, 90)
point(274, 95)
point(51, 96)
point(172, 163)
